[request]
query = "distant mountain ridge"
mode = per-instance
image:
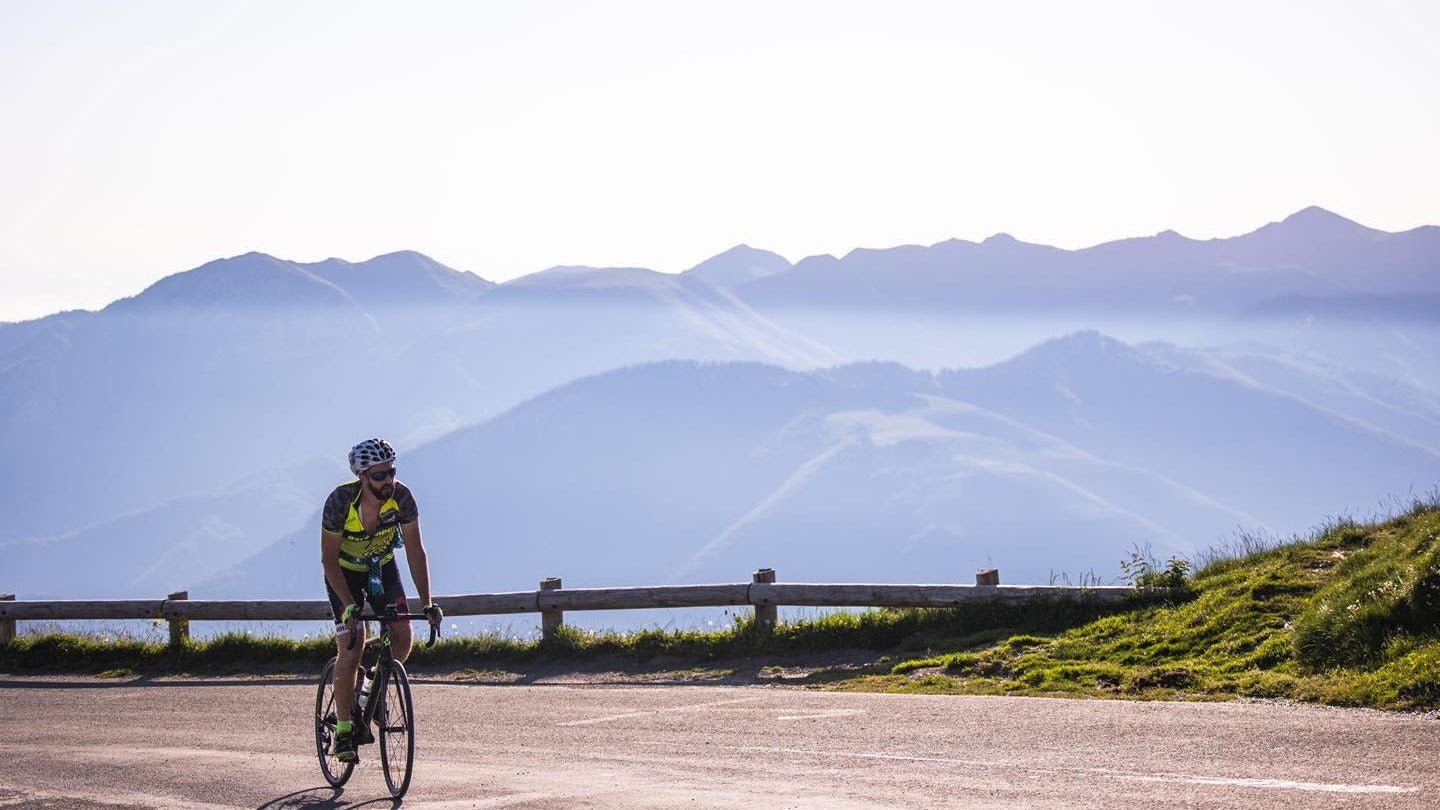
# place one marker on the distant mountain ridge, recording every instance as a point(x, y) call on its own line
point(739, 265)
point(1313, 252)
point(258, 279)
point(254, 362)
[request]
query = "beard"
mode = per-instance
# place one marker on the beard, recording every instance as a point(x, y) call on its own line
point(383, 492)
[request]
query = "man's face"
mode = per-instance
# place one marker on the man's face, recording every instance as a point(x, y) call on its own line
point(381, 480)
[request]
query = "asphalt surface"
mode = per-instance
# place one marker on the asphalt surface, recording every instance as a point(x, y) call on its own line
point(107, 745)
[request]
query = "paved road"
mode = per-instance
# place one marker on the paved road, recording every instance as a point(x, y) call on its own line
point(102, 745)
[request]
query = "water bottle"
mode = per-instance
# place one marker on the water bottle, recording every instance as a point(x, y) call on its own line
point(364, 687)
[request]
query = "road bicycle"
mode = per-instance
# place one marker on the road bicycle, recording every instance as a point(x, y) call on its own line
point(382, 698)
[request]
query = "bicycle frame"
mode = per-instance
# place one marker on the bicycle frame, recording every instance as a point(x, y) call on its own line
point(382, 662)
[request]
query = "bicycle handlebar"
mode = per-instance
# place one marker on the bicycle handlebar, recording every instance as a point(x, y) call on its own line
point(391, 616)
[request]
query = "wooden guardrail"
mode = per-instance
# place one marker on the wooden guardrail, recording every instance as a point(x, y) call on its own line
point(551, 601)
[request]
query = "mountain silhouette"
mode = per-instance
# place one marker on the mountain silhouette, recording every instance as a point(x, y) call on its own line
point(1312, 252)
point(739, 265)
point(249, 280)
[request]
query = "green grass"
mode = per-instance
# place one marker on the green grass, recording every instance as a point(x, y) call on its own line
point(1349, 617)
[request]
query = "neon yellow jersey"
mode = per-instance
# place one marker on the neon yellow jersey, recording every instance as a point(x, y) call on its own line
point(357, 546)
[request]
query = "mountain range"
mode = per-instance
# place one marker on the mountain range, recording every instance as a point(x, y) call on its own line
point(1311, 252)
point(253, 363)
point(620, 425)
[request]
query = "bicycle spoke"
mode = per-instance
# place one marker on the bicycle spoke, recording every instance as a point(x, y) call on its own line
point(335, 772)
point(397, 730)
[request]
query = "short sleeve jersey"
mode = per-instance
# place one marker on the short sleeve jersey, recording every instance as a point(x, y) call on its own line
point(357, 546)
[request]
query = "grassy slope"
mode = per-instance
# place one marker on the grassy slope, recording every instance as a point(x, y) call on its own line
point(1351, 617)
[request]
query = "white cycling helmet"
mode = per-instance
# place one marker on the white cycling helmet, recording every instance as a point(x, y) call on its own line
point(369, 453)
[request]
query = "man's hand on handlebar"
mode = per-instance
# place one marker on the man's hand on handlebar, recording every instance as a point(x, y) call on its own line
point(435, 616)
point(350, 618)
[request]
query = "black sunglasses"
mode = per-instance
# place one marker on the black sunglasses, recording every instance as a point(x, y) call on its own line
point(382, 475)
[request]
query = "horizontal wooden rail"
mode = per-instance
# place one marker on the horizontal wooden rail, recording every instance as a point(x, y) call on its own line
point(484, 604)
point(551, 601)
point(918, 596)
point(241, 610)
point(487, 604)
point(665, 596)
point(83, 609)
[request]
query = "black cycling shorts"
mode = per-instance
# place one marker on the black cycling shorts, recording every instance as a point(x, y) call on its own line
point(359, 584)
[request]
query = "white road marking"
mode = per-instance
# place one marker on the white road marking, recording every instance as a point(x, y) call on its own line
point(1179, 778)
point(820, 715)
point(31, 795)
point(511, 800)
point(1276, 784)
point(692, 707)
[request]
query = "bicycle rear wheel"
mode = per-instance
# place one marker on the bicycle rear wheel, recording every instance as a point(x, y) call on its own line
point(396, 716)
point(334, 771)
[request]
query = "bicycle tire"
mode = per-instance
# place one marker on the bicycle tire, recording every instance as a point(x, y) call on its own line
point(397, 730)
point(336, 773)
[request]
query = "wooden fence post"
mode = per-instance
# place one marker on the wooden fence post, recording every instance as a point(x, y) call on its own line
point(179, 628)
point(7, 626)
point(550, 620)
point(765, 615)
point(987, 577)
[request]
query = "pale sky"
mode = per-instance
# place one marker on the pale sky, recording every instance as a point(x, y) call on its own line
point(145, 138)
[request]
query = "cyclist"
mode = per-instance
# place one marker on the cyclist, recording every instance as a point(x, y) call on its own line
point(364, 521)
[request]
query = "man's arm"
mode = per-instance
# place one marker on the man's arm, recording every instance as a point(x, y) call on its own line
point(419, 563)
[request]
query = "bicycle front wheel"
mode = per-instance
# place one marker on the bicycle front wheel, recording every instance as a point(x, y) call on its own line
point(334, 771)
point(396, 719)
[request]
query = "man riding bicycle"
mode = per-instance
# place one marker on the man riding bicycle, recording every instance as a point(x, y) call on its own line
point(364, 521)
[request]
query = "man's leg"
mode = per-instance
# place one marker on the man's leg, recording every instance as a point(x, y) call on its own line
point(400, 641)
point(347, 663)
